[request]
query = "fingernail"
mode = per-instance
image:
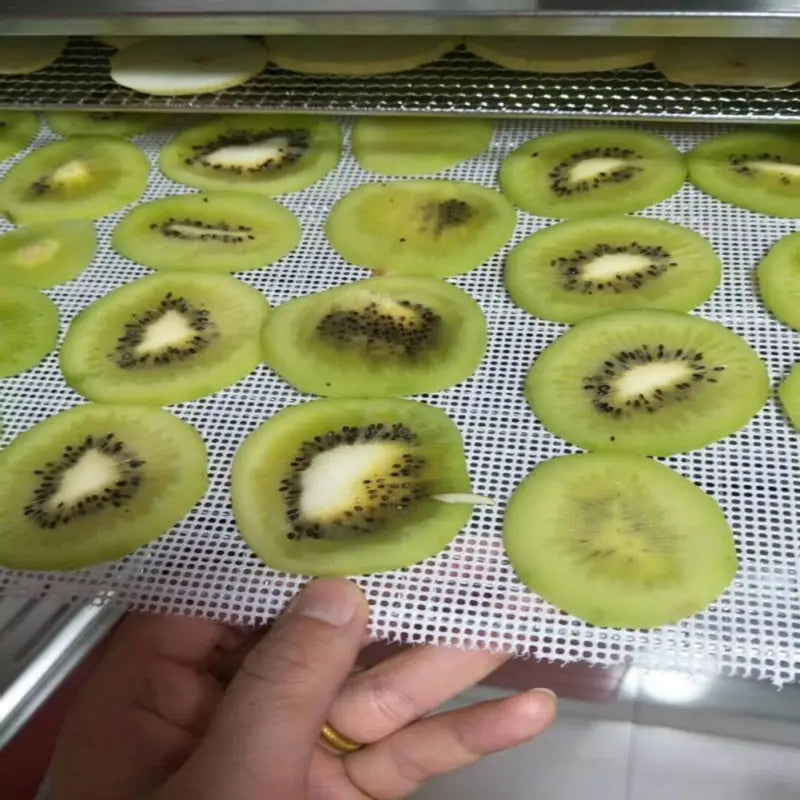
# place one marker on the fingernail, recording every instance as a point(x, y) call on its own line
point(547, 691)
point(334, 602)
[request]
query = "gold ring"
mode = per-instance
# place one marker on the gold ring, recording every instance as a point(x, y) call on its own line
point(337, 741)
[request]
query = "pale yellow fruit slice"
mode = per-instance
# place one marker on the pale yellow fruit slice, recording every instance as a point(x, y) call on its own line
point(355, 55)
point(562, 53)
point(20, 55)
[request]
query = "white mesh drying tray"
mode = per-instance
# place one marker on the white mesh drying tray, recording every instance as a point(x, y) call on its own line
point(468, 595)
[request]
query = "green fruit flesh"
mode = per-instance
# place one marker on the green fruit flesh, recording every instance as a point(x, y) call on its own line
point(789, 394)
point(357, 500)
point(47, 253)
point(28, 328)
point(779, 280)
point(618, 540)
point(577, 269)
point(217, 232)
point(587, 173)
point(105, 123)
point(650, 382)
point(95, 483)
point(17, 129)
point(265, 153)
point(377, 338)
point(165, 339)
point(427, 227)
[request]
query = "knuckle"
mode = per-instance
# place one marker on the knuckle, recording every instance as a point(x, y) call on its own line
point(286, 662)
point(409, 768)
point(390, 702)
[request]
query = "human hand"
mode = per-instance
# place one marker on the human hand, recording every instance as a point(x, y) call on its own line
point(154, 720)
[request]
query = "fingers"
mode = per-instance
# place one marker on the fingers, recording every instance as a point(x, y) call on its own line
point(381, 700)
point(262, 738)
point(397, 766)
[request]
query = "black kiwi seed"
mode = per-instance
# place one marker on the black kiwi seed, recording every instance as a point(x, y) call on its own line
point(563, 185)
point(373, 332)
point(197, 319)
point(293, 143)
point(127, 483)
point(740, 164)
point(104, 116)
point(446, 214)
point(203, 231)
point(389, 495)
point(601, 384)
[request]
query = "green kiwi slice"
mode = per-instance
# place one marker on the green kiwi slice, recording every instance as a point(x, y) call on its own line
point(789, 394)
point(417, 146)
point(588, 172)
point(757, 171)
point(20, 55)
point(576, 269)
point(165, 339)
point(649, 382)
point(28, 328)
point(218, 232)
point(17, 129)
point(344, 487)
point(47, 253)
point(104, 123)
point(94, 484)
point(426, 227)
point(618, 540)
point(779, 280)
point(82, 177)
point(265, 153)
point(381, 337)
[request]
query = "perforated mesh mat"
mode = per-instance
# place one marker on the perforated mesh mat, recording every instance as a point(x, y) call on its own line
point(468, 595)
point(457, 83)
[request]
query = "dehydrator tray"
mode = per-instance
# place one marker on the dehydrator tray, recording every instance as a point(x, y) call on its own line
point(467, 595)
point(459, 83)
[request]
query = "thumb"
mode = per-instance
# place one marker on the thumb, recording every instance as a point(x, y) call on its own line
point(264, 733)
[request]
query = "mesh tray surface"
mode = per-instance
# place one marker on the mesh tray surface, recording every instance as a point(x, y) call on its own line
point(468, 595)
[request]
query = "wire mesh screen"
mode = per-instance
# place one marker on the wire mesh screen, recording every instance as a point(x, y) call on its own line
point(468, 595)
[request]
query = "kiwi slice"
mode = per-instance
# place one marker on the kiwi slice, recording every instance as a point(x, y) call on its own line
point(28, 328)
point(588, 172)
point(104, 123)
point(165, 339)
point(555, 54)
point(20, 55)
point(265, 153)
point(17, 129)
point(180, 65)
point(618, 540)
point(355, 55)
point(417, 146)
point(95, 483)
point(82, 177)
point(47, 253)
point(574, 270)
point(218, 232)
point(343, 487)
point(377, 338)
point(426, 227)
point(779, 280)
point(758, 171)
point(650, 382)
point(789, 394)
point(119, 42)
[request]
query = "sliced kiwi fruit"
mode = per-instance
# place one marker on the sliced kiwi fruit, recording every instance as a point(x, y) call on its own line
point(181, 65)
point(47, 253)
point(82, 177)
point(557, 54)
point(20, 55)
point(355, 55)
point(779, 280)
point(426, 227)
point(576, 269)
point(649, 382)
point(265, 153)
point(759, 171)
point(344, 487)
point(17, 129)
point(119, 42)
point(217, 232)
point(789, 394)
point(417, 146)
point(94, 484)
point(618, 540)
point(381, 337)
point(164, 339)
point(103, 123)
point(28, 328)
point(592, 171)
